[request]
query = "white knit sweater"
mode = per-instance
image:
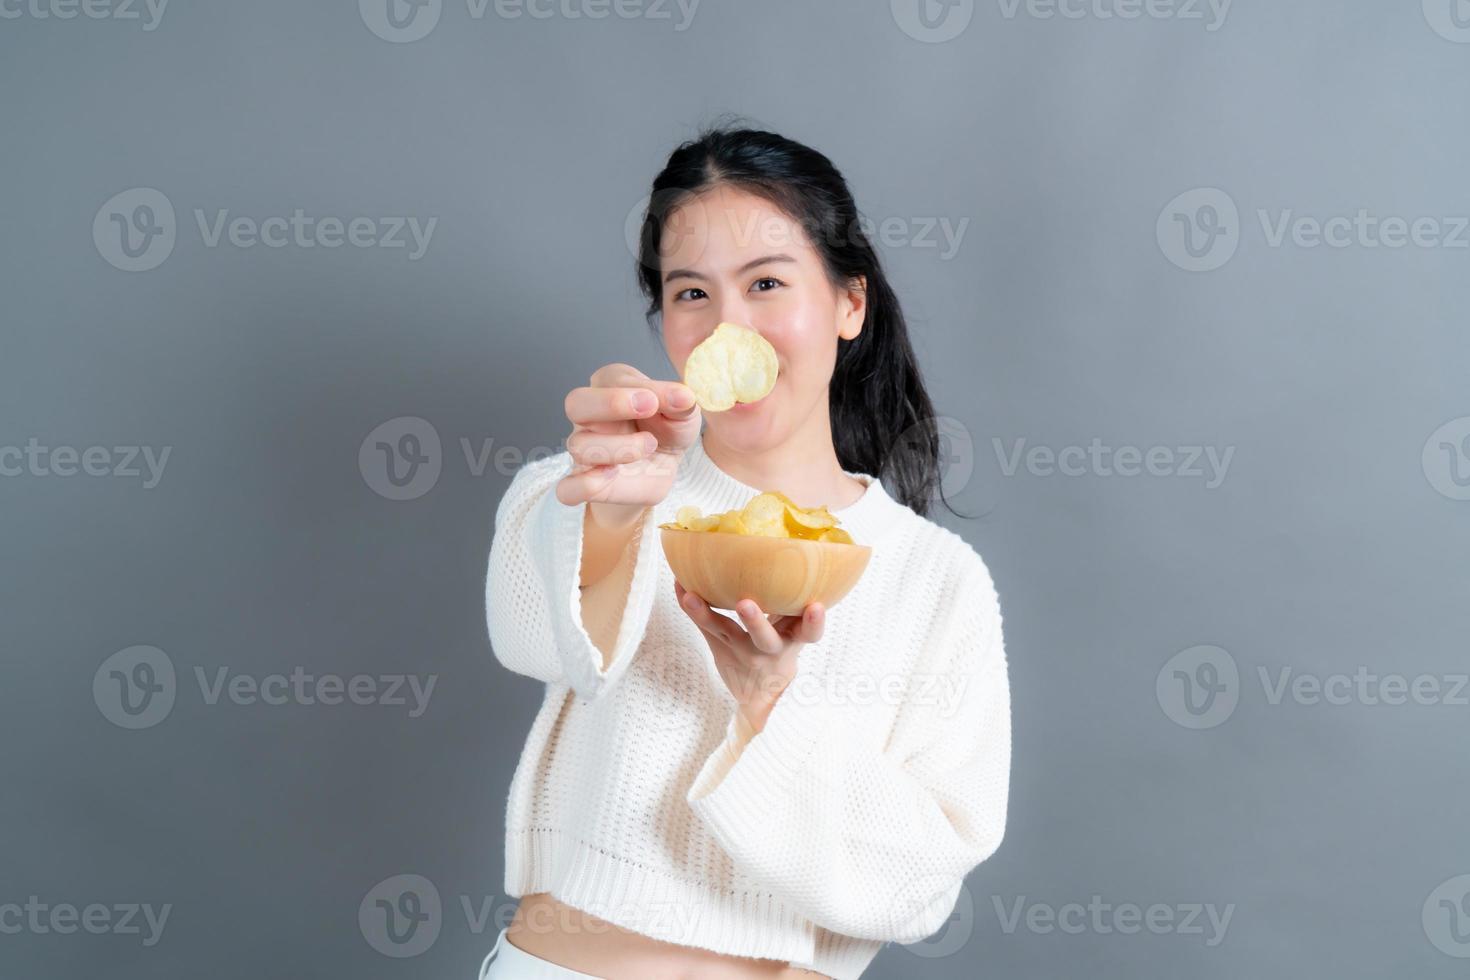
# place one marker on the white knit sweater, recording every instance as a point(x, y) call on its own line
point(880, 778)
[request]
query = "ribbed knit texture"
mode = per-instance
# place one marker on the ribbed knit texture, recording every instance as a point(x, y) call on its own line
point(879, 781)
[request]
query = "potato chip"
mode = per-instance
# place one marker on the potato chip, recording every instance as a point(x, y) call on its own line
point(808, 522)
point(733, 364)
point(688, 518)
point(765, 515)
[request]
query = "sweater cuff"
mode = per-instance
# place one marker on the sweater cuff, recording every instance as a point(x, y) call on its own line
point(557, 551)
point(752, 774)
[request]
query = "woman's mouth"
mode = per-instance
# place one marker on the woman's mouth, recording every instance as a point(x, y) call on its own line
point(745, 408)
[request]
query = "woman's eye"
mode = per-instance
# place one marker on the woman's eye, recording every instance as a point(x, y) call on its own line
point(685, 294)
point(767, 279)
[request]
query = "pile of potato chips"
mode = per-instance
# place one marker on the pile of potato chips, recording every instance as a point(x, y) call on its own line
point(770, 515)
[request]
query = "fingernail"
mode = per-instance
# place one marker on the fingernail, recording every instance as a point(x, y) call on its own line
point(644, 401)
point(681, 398)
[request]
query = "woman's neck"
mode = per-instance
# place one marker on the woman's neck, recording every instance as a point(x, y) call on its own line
point(805, 469)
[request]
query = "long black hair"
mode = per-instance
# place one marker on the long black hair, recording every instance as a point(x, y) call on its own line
point(882, 420)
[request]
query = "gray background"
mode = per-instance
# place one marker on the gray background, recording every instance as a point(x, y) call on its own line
point(1333, 544)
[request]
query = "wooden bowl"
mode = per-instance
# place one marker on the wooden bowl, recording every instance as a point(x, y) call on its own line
point(782, 575)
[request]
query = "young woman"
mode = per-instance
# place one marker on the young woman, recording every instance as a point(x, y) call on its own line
point(716, 796)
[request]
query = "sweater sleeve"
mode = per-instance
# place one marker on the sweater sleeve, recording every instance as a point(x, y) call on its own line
point(533, 596)
point(867, 843)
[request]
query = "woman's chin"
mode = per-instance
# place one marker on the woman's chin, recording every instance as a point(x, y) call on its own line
point(748, 427)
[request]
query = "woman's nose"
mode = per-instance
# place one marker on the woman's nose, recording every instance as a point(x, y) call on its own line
point(733, 310)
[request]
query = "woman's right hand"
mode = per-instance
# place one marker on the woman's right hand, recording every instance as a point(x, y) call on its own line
point(625, 453)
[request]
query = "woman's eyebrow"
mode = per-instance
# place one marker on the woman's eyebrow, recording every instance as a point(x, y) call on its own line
point(763, 260)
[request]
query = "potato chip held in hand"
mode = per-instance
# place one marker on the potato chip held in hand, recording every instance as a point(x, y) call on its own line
point(733, 364)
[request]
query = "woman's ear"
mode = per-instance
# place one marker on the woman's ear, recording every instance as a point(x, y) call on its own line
point(852, 308)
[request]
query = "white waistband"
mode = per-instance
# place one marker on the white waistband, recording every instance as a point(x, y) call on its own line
point(509, 961)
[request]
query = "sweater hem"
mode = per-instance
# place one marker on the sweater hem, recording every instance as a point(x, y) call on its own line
point(655, 904)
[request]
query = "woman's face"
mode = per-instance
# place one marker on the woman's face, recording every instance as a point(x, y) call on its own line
point(730, 256)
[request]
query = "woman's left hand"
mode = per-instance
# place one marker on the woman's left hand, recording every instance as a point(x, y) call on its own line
point(756, 657)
